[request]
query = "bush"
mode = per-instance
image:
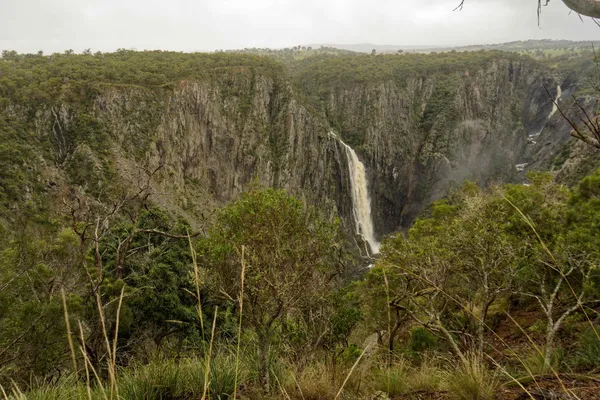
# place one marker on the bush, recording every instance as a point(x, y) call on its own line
point(535, 365)
point(426, 378)
point(158, 380)
point(169, 379)
point(313, 383)
point(393, 381)
point(221, 377)
point(472, 380)
point(587, 355)
point(421, 340)
point(65, 389)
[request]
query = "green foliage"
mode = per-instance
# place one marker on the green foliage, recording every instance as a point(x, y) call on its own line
point(158, 276)
point(393, 380)
point(25, 76)
point(158, 380)
point(34, 266)
point(401, 378)
point(472, 380)
point(477, 246)
point(588, 349)
point(534, 364)
point(421, 340)
point(168, 379)
point(287, 252)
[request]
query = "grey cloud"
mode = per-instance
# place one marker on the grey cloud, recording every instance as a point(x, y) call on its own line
point(56, 25)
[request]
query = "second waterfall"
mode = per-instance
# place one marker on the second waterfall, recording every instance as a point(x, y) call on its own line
point(361, 201)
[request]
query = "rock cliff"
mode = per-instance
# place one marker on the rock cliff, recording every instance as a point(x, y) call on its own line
point(208, 139)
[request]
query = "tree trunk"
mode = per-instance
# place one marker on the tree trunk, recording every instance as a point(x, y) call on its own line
point(452, 342)
point(481, 328)
point(550, 334)
point(263, 366)
point(392, 337)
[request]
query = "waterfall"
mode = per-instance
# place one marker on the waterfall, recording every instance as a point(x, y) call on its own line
point(361, 201)
point(554, 110)
point(554, 104)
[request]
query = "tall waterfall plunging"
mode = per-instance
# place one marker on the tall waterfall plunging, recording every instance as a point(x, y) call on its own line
point(361, 201)
point(555, 102)
point(554, 110)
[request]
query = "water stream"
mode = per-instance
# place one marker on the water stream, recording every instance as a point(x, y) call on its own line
point(361, 200)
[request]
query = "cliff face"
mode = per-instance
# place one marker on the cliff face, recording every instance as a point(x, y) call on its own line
point(203, 142)
point(426, 133)
point(207, 140)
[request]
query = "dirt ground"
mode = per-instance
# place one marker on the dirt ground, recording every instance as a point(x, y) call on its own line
point(542, 389)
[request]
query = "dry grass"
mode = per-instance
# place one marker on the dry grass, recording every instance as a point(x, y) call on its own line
point(472, 380)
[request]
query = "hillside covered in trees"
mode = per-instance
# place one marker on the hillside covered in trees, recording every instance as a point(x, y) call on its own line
point(182, 226)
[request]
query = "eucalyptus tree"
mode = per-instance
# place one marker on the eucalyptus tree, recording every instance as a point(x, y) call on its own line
point(589, 8)
point(453, 266)
point(290, 257)
point(561, 264)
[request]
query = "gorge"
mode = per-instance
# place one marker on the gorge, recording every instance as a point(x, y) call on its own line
point(409, 129)
point(222, 213)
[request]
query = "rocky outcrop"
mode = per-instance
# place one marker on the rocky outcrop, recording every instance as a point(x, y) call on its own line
point(210, 140)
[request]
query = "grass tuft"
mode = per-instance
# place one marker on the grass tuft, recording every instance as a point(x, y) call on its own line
point(472, 380)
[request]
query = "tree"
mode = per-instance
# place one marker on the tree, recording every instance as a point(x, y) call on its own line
point(458, 261)
point(421, 267)
point(380, 313)
point(535, 241)
point(290, 258)
point(487, 255)
point(560, 266)
point(590, 8)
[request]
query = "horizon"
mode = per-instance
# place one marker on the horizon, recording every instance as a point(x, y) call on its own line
point(339, 46)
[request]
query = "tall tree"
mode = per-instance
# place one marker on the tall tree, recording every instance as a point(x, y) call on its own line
point(290, 257)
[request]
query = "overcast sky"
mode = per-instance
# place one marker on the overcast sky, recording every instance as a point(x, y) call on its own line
point(198, 25)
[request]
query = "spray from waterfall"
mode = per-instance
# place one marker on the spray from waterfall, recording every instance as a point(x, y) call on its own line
point(361, 201)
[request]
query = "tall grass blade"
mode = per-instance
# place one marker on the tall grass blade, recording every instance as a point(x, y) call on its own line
point(208, 357)
point(87, 369)
point(239, 338)
point(69, 337)
point(350, 373)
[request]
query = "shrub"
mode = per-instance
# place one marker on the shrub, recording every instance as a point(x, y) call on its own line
point(65, 389)
point(393, 381)
point(535, 365)
point(313, 383)
point(221, 383)
point(472, 380)
point(421, 340)
point(169, 379)
point(426, 378)
point(158, 380)
point(587, 355)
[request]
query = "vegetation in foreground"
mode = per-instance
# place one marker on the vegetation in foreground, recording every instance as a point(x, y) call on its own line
point(490, 295)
